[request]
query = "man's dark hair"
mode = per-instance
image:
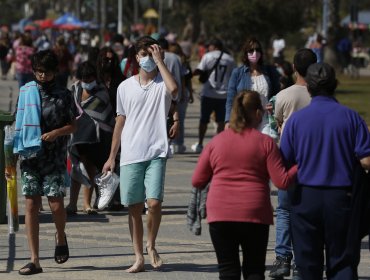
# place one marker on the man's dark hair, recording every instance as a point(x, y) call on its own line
point(163, 43)
point(118, 38)
point(216, 42)
point(86, 70)
point(303, 59)
point(321, 79)
point(45, 60)
point(144, 43)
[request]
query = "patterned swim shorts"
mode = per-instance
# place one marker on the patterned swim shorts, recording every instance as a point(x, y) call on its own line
point(52, 185)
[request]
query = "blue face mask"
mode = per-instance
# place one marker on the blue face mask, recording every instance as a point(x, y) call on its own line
point(88, 86)
point(147, 63)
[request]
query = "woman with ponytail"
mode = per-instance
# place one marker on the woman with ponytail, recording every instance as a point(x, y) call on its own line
point(239, 210)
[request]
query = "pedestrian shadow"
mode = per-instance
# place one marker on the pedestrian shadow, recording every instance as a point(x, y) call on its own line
point(189, 267)
point(172, 267)
point(174, 212)
point(11, 254)
point(46, 218)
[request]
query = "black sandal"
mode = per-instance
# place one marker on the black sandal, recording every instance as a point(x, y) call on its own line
point(32, 269)
point(61, 254)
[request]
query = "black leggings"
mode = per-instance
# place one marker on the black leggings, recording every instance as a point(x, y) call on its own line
point(253, 238)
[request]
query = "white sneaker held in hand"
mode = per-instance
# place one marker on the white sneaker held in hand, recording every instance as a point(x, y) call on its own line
point(107, 184)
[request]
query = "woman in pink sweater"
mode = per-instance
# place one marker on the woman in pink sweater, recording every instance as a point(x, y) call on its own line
point(239, 163)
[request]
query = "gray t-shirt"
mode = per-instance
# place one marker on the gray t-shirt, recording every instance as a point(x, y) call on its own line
point(173, 63)
point(289, 101)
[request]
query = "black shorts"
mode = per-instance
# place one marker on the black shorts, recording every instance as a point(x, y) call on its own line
point(208, 105)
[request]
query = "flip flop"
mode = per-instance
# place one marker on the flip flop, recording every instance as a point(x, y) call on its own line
point(31, 269)
point(91, 211)
point(61, 253)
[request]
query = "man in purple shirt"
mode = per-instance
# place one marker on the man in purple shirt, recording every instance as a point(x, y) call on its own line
point(326, 140)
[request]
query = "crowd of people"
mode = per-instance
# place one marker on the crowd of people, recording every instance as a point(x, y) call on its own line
point(122, 109)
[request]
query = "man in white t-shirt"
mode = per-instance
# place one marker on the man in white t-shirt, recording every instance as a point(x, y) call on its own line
point(143, 103)
point(287, 102)
point(213, 94)
point(278, 46)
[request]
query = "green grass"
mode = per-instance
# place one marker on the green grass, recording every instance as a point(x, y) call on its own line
point(355, 93)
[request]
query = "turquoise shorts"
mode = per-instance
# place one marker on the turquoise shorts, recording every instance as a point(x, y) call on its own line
point(143, 180)
point(52, 185)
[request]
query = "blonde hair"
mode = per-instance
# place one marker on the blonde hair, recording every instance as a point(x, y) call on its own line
point(243, 113)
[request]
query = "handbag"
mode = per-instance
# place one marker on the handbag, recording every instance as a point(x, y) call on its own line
point(204, 74)
point(88, 128)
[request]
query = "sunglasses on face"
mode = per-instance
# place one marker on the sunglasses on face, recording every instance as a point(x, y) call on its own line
point(251, 51)
point(43, 73)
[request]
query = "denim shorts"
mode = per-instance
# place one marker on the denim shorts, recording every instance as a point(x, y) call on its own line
point(51, 185)
point(142, 180)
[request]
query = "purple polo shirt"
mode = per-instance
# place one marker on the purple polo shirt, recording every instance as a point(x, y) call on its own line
point(325, 139)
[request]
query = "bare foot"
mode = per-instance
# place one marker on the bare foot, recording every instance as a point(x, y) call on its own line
point(138, 266)
point(155, 259)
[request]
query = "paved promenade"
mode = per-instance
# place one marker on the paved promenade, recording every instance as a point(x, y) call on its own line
point(100, 246)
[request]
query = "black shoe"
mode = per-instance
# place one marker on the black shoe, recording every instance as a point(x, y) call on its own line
point(296, 274)
point(281, 267)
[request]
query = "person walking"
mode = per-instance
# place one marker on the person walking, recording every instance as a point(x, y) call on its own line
point(287, 102)
point(185, 98)
point(173, 64)
point(44, 119)
point(327, 140)
point(213, 94)
point(23, 53)
point(255, 75)
point(143, 103)
point(238, 205)
point(90, 143)
point(65, 61)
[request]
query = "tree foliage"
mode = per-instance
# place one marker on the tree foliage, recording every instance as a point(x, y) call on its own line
point(260, 18)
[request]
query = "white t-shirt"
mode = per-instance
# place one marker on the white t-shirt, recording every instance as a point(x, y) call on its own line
point(144, 135)
point(216, 86)
point(278, 45)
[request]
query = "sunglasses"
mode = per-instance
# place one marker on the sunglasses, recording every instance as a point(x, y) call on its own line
point(251, 51)
point(41, 73)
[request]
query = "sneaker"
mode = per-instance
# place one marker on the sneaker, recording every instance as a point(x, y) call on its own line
point(107, 185)
point(180, 149)
point(296, 274)
point(145, 209)
point(197, 148)
point(172, 149)
point(281, 267)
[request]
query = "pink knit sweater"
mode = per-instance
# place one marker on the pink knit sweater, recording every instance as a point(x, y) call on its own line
point(240, 166)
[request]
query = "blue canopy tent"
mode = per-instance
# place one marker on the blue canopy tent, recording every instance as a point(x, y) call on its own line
point(362, 23)
point(68, 20)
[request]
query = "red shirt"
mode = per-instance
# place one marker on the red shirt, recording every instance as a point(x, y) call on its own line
point(240, 166)
point(23, 59)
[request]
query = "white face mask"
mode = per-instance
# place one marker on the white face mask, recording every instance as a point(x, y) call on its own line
point(147, 63)
point(254, 57)
point(280, 70)
point(88, 86)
